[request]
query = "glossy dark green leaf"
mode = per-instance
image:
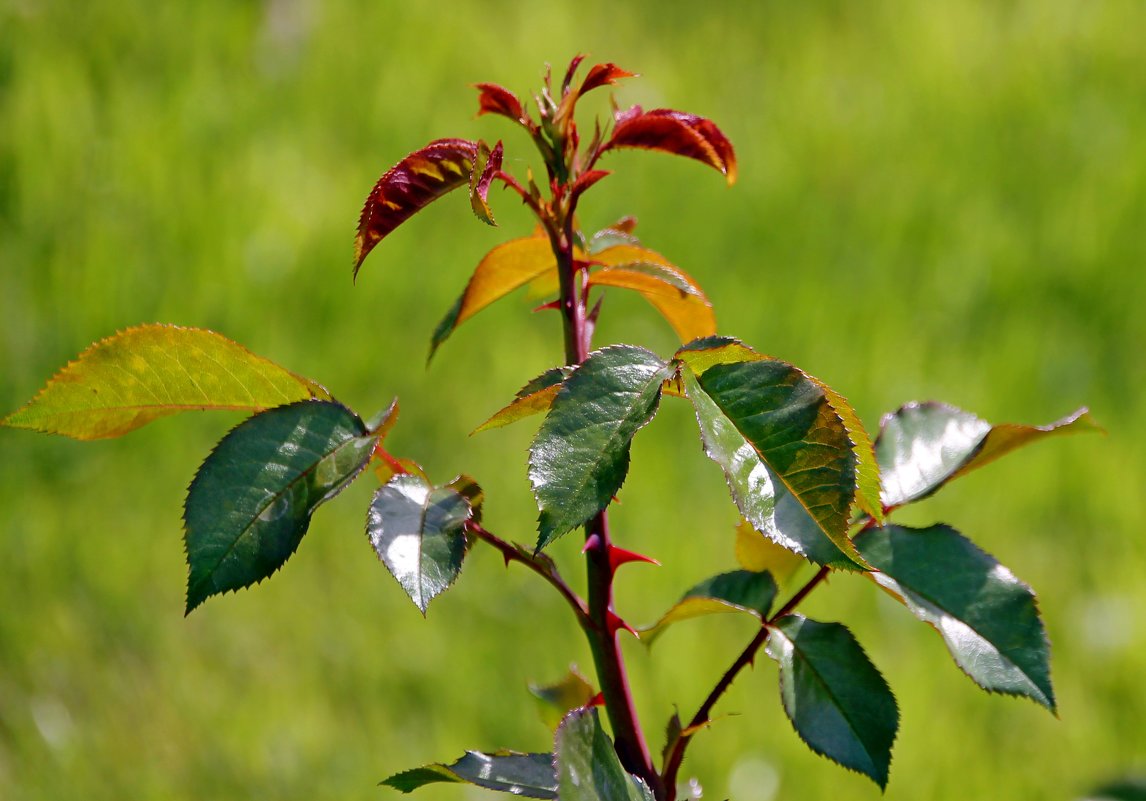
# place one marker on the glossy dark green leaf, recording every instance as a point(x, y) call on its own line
point(837, 701)
point(418, 531)
point(251, 501)
point(987, 617)
point(580, 456)
point(922, 446)
point(587, 765)
point(528, 775)
point(784, 450)
point(738, 591)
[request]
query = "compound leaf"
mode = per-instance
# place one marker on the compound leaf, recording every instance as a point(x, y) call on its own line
point(153, 371)
point(837, 701)
point(418, 531)
point(502, 270)
point(251, 501)
point(406, 188)
point(587, 765)
point(580, 457)
point(675, 132)
point(529, 775)
point(784, 450)
point(987, 617)
point(922, 446)
point(738, 591)
point(536, 396)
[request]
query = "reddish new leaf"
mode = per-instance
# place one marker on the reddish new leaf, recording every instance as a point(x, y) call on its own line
point(494, 99)
point(415, 181)
point(485, 170)
point(675, 132)
point(602, 75)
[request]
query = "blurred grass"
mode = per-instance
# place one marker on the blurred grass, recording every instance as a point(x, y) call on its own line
point(936, 201)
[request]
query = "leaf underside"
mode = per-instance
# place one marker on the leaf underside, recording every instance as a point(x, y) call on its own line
point(785, 453)
point(836, 699)
point(757, 553)
point(987, 617)
point(666, 287)
point(587, 765)
point(409, 186)
point(418, 532)
point(535, 397)
point(743, 591)
point(252, 499)
point(580, 456)
point(528, 775)
point(151, 371)
point(922, 446)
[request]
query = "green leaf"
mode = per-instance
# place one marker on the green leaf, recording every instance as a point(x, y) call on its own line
point(536, 396)
point(152, 371)
point(529, 775)
point(987, 617)
point(587, 765)
point(757, 553)
point(555, 701)
point(251, 501)
point(922, 446)
point(418, 531)
point(738, 591)
point(784, 450)
point(837, 701)
point(502, 270)
point(580, 456)
point(868, 485)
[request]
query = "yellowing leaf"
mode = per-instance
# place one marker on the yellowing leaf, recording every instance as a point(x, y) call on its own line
point(152, 371)
point(757, 553)
point(502, 270)
point(555, 701)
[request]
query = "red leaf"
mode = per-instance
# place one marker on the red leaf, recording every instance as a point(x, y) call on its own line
point(604, 74)
point(421, 177)
point(479, 184)
point(675, 132)
point(587, 180)
point(573, 65)
point(496, 99)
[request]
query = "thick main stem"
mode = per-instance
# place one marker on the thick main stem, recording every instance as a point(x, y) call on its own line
point(602, 632)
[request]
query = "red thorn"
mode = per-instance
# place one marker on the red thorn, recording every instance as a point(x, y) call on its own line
point(597, 700)
point(553, 304)
point(620, 556)
point(505, 556)
point(614, 624)
point(591, 543)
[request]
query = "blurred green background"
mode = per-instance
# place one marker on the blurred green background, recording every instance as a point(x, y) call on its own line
point(937, 200)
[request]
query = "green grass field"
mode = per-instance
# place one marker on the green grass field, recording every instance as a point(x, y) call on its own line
point(939, 200)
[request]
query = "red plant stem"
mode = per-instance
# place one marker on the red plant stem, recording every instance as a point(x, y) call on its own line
point(747, 657)
point(630, 743)
point(545, 569)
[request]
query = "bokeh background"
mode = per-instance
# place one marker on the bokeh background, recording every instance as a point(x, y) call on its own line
point(937, 200)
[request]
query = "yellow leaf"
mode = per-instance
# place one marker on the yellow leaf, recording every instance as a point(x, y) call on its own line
point(152, 371)
point(756, 552)
point(668, 288)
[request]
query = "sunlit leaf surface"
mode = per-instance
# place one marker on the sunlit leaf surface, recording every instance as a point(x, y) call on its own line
point(418, 532)
point(152, 371)
point(784, 451)
point(407, 187)
point(587, 765)
point(535, 397)
point(528, 775)
point(252, 499)
point(987, 617)
point(922, 446)
point(675, 132)
point(738, 591)
point(502, 270)
point(580, 457)
point(837, 701)
point(756, 552)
